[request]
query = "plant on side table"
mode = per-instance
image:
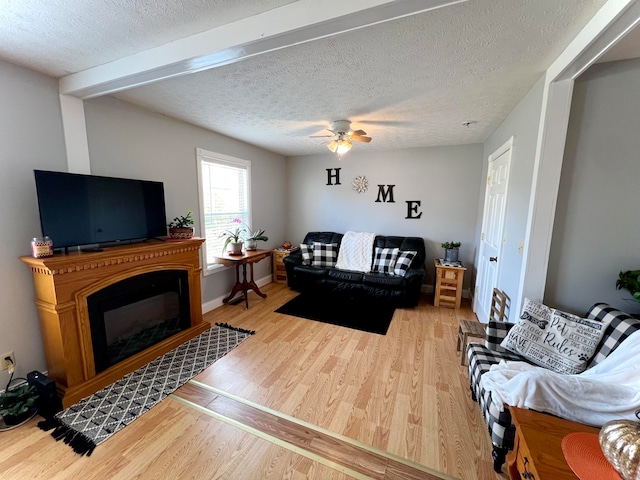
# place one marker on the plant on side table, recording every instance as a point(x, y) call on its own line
point(180, 228)
point(233, 239)
point(451, 250)
point(253, 238)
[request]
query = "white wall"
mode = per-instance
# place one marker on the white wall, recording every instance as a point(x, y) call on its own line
point(522, 123)
point(128, 141)
point(443, 179)
point(597, 226)
point(30, 138)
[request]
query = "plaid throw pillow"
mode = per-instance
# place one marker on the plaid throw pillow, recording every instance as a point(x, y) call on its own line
point(307, 253)
point(324, 254)
point(385, 260)
point(403, 262)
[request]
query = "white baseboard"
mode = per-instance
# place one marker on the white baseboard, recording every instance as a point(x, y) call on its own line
point(217, 302)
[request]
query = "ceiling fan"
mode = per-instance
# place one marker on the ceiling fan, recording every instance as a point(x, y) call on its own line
point(343, 136)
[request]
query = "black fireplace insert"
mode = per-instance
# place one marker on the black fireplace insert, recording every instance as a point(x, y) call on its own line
point(136, 313)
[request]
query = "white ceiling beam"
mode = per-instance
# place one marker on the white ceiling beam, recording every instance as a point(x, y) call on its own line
point(292, 24)
point(613, 21)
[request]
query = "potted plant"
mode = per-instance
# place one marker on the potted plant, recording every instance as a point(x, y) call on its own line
point(253, 238)
point(631, 281)
point(180, 227)
point(451, 250)
point(18, 405)
point(233, 239)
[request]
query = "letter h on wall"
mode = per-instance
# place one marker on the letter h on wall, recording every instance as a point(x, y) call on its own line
point(333, 176)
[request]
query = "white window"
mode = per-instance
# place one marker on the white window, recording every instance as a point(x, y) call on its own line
point(225, 186)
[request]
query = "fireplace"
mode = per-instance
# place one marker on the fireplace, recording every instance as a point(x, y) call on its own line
point(136, 313)
point(105, 314)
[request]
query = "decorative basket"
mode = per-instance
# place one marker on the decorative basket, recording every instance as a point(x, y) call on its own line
point(181, 233)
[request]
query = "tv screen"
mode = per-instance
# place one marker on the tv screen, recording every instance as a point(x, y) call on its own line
point(77, 210)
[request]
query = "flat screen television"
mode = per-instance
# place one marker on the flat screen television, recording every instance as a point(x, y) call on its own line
point(90, 210)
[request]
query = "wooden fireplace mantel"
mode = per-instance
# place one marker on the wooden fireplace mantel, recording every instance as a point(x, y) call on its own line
point(62, 285)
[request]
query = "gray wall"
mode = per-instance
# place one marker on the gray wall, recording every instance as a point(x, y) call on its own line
point(128, 141)
point(31, 138)
point(597, 226)
point(523, 124)
point(444, 179)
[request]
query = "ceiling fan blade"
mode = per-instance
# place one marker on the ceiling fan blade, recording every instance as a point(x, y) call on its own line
point(358, 133)
point(321, 136)
point(360, 138)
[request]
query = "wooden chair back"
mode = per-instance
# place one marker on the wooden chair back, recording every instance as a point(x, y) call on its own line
point(500, 305)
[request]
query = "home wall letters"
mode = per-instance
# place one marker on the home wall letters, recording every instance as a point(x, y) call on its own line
point(385, 193)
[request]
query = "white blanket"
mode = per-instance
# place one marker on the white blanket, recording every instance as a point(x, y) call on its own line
point(608, 391)
point(356, 251)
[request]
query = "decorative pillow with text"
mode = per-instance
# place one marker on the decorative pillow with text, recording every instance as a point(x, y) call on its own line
point(553, 339)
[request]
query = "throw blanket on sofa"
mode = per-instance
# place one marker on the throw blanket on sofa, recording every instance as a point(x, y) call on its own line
point(607, 391)
point(356, 251)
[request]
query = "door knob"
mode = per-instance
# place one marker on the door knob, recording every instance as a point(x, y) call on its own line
point(493, 259)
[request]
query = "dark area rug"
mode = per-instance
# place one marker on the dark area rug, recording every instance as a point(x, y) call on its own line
point(95, 418)
point(366, 315)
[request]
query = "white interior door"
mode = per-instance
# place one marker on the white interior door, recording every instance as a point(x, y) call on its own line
point(491, 239)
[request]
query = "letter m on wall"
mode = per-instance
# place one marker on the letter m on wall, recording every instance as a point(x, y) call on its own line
point(385, 194)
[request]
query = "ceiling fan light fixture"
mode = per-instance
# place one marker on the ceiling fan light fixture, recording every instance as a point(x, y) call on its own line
point(344, 146)
point(340, 146)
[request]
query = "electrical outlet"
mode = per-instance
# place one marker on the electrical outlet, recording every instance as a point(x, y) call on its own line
point(4, 363)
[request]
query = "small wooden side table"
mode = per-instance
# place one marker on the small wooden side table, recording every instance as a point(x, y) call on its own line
point(448, 288)
point(537, 453)
point(244, 283)
point(279, 270)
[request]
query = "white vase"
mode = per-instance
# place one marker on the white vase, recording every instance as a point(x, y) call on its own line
point(235, 248)
point(251, 245)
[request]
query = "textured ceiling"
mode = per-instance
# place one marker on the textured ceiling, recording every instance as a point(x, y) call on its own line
point(410, 82)
point(59, 37)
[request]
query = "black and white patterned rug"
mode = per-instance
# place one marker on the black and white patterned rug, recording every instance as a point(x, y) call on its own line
point(93, 419)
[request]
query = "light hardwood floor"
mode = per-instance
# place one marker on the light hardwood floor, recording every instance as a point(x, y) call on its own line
point(404, 393)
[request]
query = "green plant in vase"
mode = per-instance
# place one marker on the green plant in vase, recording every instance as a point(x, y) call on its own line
point(253, 238)
point(233, 238)
point(180, 227)
point(451, 250)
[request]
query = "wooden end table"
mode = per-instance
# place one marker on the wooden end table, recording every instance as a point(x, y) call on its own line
point(537, 453)
point(243, 285)
point(279, 270)
point(448, 288)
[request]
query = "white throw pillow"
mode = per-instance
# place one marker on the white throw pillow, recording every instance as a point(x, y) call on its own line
point(553, 339)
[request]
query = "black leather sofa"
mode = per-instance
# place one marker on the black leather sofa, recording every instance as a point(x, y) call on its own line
point(401, 291)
